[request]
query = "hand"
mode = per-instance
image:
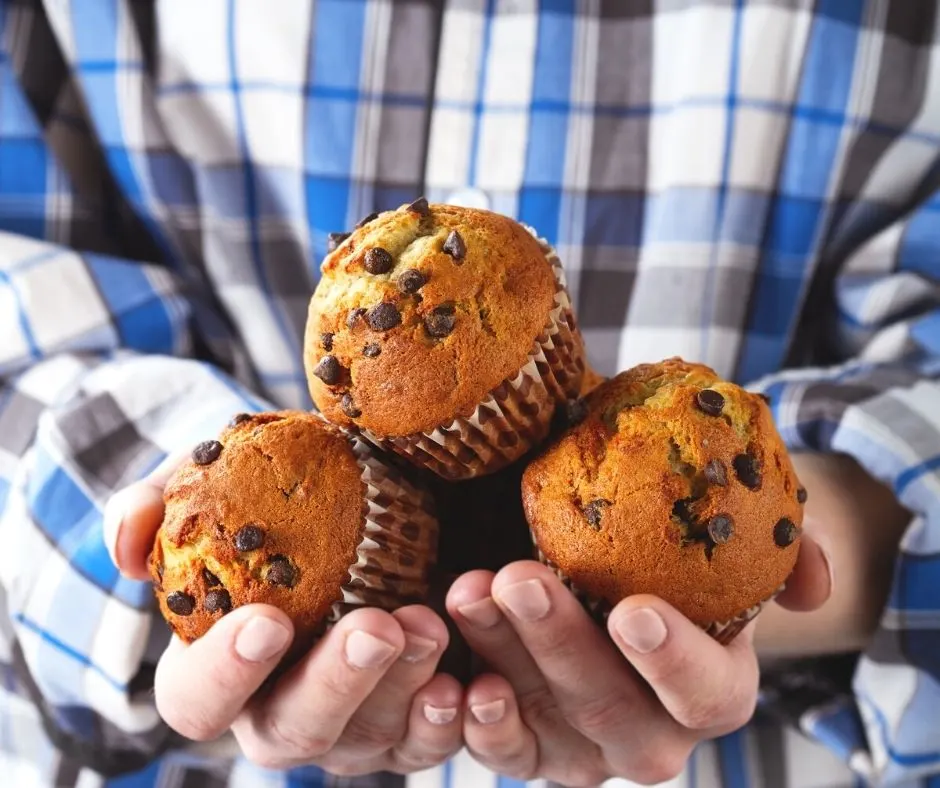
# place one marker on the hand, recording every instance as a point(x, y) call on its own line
point(365, 699)
point(567, 704)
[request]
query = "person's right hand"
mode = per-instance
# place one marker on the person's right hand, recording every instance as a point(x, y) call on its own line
point(365, 699)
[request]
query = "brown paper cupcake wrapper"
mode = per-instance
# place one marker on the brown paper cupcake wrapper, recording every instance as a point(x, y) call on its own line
point(516, 415)
point(722, 631)
point(399, 544)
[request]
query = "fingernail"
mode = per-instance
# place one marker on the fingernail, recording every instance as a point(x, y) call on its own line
point(483, 614)
point(642, 630)
point(438, 715)
point(527, 601)
point(488, 713)
point(417, 648)
point(366, 651)
point(261, 639)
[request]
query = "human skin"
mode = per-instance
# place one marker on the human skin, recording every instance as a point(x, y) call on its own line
point(561, 701)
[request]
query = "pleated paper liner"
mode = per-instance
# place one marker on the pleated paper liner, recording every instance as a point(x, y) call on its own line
point(599, 609)
point(399, 540)
point(516, 415)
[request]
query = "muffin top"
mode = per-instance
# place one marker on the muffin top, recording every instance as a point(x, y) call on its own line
point(675, 483)
point(270, 512)
point(420, 312)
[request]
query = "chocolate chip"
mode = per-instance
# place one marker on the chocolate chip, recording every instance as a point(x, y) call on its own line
point(248, 537)
point(180, 603)
point(785, 532)
point(411, 281)
point(333, 241)
point(372, 350)
point(420, 206)
point(441, 321)
point(720, 528)
point(218, 601)
point(764, 397)
point(354, 315)
point(281, 572)
point(455, 247)
point(801, 495)
point(576, 411)
point(239, 418)
point(710, 402)
point(716, 473)
point(210, 579)
point(592, 512)
point(349, 407)
point(383, 317)
point(329, 370)
point(378, 261)
point(747, 468)
point(207, 452)
point(370, 218)
point(326, 339)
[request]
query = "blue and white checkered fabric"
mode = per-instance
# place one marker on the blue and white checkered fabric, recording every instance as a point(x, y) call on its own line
point(753, 185)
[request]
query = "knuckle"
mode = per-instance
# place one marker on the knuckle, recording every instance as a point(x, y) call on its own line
point(360, 734)
point(298, 743)
point(406, 761)
point(716, 711)
point(343, 767)
point(659, 766)
point(740, 712)
point(262, 755)
point(538, 706)
point(598, 714)
point(700, 713)
point(583, 775)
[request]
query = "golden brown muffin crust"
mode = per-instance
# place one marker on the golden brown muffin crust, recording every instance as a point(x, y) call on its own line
point(283, 479)
point(665, 490)
point(445, 336)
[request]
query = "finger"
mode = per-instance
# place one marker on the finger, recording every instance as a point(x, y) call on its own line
point(705, 686)
point(133, 515)
point(201, 688)
point(596, 690)
point(811, 581)
point(494, 731)
point(490, 635)
point(309, 708)
point(434, 726)
point(381, 721)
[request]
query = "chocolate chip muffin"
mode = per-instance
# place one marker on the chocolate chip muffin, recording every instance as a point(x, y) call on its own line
point(444, 334)
point(286, 510)
point(674, 483)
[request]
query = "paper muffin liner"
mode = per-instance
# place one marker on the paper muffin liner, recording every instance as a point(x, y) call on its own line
point(599, 609)
point(399, 540)
point(516, 415)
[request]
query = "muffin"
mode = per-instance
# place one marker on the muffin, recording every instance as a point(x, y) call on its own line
point(674, 483)
point(286, 510)
point(444, 334)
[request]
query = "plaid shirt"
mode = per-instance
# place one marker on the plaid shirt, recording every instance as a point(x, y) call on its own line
point(753, 185)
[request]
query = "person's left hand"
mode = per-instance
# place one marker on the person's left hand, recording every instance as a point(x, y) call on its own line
point(562, 703)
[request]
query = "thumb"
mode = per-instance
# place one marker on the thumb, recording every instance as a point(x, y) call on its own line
point(133, 515)
point(201, 688)
point(703, 684)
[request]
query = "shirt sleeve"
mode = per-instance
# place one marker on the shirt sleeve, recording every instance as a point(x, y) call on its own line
point(882, 408)
point(94, 392)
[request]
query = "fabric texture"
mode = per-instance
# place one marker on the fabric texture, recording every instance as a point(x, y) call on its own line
point(753, 185)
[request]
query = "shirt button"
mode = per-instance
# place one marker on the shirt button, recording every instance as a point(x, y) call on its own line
point(469, 198)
